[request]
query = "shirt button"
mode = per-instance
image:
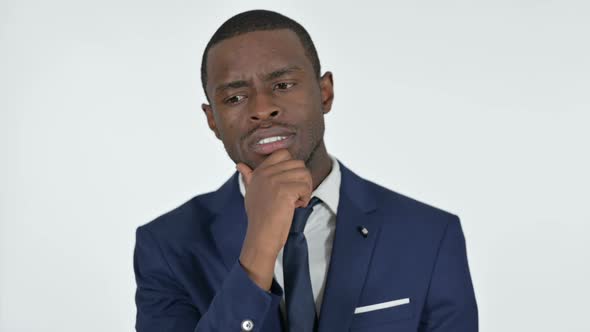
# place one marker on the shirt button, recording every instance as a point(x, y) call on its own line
point(247, 325)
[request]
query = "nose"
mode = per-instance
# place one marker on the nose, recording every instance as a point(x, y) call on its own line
point(263, 107)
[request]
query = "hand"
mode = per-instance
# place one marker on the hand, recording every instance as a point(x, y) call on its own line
point(273, 191)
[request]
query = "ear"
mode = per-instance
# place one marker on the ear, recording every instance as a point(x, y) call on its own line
point(327, 90)
point(210, 119)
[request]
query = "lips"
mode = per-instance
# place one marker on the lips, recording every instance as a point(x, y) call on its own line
point(268, 140)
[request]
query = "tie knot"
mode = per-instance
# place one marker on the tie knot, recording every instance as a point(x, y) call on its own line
point(302, 214)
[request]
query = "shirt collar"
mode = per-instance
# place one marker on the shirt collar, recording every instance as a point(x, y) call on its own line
point(328, 190)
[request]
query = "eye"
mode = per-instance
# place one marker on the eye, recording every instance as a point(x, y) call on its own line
point(234, 99)
point(283, 86)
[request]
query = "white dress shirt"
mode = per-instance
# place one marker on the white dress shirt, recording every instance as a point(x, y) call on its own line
point(319, 234)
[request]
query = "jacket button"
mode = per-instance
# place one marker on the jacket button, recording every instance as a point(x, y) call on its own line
point(247, 325)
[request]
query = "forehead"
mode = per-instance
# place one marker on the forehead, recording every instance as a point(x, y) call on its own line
point(255, 53)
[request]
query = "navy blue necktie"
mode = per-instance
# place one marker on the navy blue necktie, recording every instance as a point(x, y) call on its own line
point(301, 313)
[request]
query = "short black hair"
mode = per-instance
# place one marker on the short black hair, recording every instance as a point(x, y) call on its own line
point(259, 20)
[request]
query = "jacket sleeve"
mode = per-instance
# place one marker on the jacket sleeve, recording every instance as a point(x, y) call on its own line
point(450, 304)
point(164, 305)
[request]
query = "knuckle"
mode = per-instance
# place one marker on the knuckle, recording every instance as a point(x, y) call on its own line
point(284, 153)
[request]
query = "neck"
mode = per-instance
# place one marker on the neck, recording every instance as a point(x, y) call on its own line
point(319, 164)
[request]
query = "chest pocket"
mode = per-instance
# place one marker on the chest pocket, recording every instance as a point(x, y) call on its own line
point(382, 313)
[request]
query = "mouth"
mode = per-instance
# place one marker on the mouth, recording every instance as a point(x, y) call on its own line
point(268, 145)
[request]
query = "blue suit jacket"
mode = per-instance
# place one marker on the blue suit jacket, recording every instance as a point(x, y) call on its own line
point(189, 277)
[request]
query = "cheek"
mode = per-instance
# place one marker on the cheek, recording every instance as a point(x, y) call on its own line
point(317, 127)
point(307, 103)
point(230, 133)
point(302, 109)
point(225, 126)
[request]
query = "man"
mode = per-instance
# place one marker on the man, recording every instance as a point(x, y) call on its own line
point(293, 241)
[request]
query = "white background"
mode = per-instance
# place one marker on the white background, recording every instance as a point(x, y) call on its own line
point(479, 108)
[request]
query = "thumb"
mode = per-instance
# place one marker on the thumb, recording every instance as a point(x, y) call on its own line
point(245, 171)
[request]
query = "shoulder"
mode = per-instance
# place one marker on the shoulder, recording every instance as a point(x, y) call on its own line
point(422, 224)
point(185, 222)
point(398, 209)
point(401, 204)
point(392, 203)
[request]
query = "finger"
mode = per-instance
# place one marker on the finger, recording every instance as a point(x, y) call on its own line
point(300, 204)
point(298, 191)
point(276, 157)
point(284, 166)
point(302, 175)
point(246, 172)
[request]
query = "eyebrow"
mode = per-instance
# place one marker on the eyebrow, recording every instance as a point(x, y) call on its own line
point(267, 77)
point(280, 72)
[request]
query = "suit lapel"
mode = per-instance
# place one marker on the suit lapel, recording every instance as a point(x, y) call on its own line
point(351, 253)
point(230, 223)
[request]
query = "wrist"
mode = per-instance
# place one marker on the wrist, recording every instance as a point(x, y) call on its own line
point(260, 271)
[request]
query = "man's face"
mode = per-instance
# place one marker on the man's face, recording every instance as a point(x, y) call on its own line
point(265, 96)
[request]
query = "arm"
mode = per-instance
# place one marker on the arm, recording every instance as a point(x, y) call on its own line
point(163, 304)
point(450, 304)
point(273, 191)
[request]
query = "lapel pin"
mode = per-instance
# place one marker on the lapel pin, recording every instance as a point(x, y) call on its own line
point(363, 231)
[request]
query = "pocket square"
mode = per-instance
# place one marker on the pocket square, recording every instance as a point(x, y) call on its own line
point(383, 305)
